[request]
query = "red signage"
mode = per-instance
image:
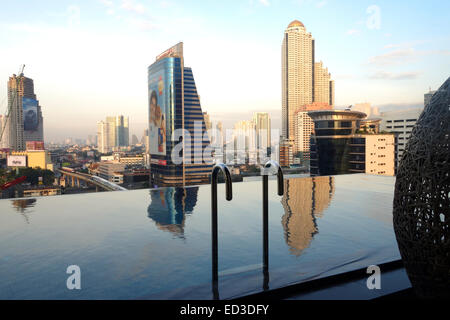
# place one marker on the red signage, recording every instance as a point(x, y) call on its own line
point(158, 161)
point(35, 145)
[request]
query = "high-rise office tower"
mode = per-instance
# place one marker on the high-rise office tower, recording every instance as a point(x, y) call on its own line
point(25, 121)
point(297, 74)
point(262, 128)
point(177, 131)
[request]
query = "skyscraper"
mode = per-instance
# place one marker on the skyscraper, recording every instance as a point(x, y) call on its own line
point(177, 131)
point(25, 121)
point(304, 83)
point(297, 74)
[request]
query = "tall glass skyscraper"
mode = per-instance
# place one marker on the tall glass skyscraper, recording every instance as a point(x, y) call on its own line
point(177, 131)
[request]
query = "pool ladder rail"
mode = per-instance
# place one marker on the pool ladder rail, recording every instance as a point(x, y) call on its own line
point(266, 171)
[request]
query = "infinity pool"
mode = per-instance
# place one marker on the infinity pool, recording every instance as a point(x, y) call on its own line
point(156, 244)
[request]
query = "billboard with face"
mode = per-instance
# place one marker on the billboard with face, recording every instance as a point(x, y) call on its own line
point(30, 114)
point(157, 114)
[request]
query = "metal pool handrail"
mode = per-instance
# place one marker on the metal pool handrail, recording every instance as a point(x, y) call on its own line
point(220, 167)
point(280, 180)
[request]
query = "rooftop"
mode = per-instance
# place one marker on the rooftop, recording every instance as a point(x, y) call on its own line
point(295, 23)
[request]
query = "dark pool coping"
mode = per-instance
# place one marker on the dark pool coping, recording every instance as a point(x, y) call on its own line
point(351, 283)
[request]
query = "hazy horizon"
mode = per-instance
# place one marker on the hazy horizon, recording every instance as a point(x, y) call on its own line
point(89, 59)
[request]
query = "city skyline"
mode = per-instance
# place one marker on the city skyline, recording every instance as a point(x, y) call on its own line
point(397, 57)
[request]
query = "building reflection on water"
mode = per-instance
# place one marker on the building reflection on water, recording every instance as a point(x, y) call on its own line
point(168, 208)
point(21, 205)
point(303, 201)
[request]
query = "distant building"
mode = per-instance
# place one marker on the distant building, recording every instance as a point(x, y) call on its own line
point(111, 171)
point(103, 141)
point(304, 127)
point(40, 191)
point(427, 97)
point(112, 134)
point(207, 120)
point(367, 108)
point(263, 130)
point(36, 158)
point(244, 137)
point(286, 157)
point(134, 140)
point(25, 121)
point(370, 126)
point(4, 143)
point(401, 123)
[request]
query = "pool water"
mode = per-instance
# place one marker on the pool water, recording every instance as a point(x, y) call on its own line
point(156, 244)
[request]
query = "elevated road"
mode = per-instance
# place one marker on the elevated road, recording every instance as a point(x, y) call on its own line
point(93, 180)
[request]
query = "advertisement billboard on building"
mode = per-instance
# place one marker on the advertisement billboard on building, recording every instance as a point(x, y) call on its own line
point(16, 161)
point(30, 114)
point(157, 114)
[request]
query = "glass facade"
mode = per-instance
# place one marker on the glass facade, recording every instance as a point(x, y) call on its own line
point(174, 105)
point(334, 148)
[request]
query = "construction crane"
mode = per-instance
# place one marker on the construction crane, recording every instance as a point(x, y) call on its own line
point(14, 97)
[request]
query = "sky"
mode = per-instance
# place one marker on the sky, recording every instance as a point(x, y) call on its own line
point(89, 58)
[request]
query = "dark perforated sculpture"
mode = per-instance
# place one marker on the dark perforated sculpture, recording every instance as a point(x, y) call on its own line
point(421, 201)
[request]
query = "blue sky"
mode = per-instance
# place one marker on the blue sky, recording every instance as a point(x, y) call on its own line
point(89, 58)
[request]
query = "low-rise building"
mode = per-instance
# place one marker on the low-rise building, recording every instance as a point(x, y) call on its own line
point(36, 158)
point(111, 171)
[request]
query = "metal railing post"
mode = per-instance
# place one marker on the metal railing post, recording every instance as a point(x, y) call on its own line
point(229, 195)
point(280, 180)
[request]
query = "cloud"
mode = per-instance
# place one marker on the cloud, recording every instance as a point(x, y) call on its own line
point(402, 55)
point(321, 4)
point(132, 6)
point(384, 75)
point(107, 3)
point(264, 2)
point(352, 32)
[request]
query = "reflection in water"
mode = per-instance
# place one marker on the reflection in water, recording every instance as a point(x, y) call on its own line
point(169, 207)
point(21, 206)
point(304, 200)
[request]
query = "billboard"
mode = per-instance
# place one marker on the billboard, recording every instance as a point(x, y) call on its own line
point(30, 114)
point(16, 161)
point(157, 114)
